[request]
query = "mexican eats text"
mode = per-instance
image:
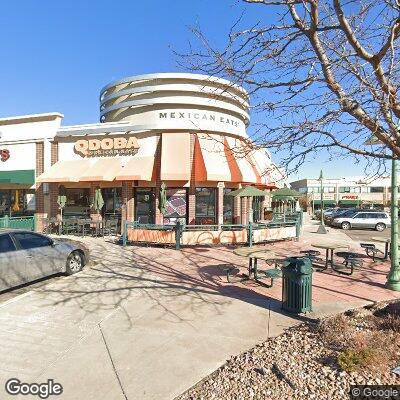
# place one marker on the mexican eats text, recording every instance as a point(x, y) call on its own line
point(118, 146)
point(199, 116)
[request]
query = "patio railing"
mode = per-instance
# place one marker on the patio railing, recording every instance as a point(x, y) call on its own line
point(27, 223)
point(179, 234)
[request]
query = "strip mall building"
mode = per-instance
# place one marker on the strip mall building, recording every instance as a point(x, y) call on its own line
point(185, 130)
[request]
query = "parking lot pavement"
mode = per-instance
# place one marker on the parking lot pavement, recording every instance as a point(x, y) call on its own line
point(13, 293)
point(366, 235)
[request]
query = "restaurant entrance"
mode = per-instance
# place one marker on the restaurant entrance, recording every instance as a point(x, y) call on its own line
point(112, 203)
point(145, 205)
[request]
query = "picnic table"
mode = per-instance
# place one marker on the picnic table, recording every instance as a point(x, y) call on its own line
point(330, 248)
point(254, 254)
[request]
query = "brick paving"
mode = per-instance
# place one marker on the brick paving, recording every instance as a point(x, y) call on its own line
point(203, 267)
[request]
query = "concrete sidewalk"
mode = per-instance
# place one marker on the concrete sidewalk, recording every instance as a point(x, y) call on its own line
point(118, 331)
point(149, 323)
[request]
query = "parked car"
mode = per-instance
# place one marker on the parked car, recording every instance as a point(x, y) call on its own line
point(26, 256)
point(317, 213)
point(363, 220)
point(339, 212)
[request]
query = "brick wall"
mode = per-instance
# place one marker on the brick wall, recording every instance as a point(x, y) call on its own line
point(53, 187)
point(191, 194)
point(40, 207)
point(220, 203)
point(54, 152)
point(157, 164)
point(127, 201)
point(244, 219)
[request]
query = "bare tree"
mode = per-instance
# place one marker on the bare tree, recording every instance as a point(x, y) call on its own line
point(324, 74)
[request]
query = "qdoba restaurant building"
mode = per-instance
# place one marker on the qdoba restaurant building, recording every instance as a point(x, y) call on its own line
point(185, 130)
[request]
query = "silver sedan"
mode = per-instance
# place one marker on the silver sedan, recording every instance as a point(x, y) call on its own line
point(26, 256)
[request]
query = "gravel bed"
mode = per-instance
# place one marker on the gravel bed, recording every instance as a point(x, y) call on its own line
point(298, 364)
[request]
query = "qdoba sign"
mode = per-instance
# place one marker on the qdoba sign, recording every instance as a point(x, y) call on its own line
point(107, 147)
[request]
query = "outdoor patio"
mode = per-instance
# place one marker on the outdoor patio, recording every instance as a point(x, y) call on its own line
point(203, 268)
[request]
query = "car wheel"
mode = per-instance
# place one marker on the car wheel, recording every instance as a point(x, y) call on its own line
point(74, 263)
point(380, 227)
point(346, 226)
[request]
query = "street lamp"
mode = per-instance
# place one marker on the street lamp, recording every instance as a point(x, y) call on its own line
point(321, 228)
point(393, 278)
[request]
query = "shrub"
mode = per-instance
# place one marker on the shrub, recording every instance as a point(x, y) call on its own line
point(353, 360)
point(336, 331)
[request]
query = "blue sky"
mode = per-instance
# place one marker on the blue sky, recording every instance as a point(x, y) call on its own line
point(57, 55)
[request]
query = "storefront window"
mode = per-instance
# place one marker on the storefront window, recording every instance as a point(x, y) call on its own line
point(228, 207)
point(5, 201)
point(377, 189)
point(176, 206)
point(112, 202)
point(145, 205)
point(17, 202)
point(205, 206)
point(257, 207)
point(78, 202)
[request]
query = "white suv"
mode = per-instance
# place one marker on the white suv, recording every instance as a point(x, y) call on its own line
point(377, 220)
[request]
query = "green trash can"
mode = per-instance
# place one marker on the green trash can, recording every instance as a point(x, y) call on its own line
point(297, 285)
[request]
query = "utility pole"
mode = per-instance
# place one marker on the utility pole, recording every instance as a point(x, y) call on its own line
point(321, 228)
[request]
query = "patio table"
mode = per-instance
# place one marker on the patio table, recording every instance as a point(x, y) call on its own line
point(387, 246)
point(253, 254)
point(330, 248)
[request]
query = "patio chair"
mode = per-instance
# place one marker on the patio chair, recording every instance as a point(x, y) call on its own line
point(70, 226)
point(48, 225)
point(111, 227)
point(313, 255)
point(273, 273)
point(371, 250)
point(351, 260)
point(83, 226)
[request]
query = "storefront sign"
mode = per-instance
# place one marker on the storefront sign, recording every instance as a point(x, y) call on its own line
point(107, 147)
point(4, 154)
point(350, 197)
point(199, 116)
point(325, 196)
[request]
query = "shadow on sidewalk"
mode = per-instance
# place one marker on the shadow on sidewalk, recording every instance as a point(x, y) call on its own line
point(163, 276)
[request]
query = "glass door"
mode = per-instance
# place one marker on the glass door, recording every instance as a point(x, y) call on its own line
point(112, 203)
point(144, 205)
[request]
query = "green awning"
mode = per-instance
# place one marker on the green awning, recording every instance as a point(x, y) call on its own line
point(18, 177)
point(326, 202)
point(286, 192)
point(282, 198)
point(248, 191)
point(350, 202)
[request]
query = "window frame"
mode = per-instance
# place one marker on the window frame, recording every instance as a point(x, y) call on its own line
point(15, 238)
point(207, 216)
